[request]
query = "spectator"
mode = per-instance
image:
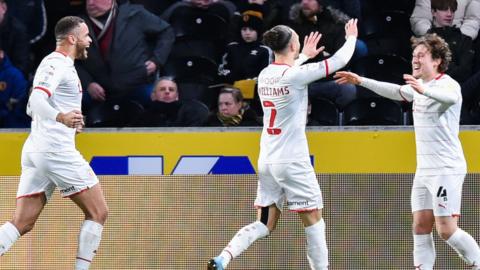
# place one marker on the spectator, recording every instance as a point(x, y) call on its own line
point(467, 17)
point(311, 16)
point(14, 39)
point(247, 57)
point(32, 14)
point(155, 6)
point(352, 8)
point(167, 110)
point(129, 46)
point(232, 111)
point(13, 90)
point(461, 46)
point(271, 10)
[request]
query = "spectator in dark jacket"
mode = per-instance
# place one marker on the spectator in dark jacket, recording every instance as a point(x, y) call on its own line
point(312, 15)
point(14, 39)
point(167, 110)
point(129, 46)
point(461, 46)
point(247, 57)
point(232, 111)
point(13, 91)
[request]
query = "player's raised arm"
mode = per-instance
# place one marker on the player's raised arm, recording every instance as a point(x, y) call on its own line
point(311, 72)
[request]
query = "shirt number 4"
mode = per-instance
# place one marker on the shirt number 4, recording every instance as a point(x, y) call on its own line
point(273, 114)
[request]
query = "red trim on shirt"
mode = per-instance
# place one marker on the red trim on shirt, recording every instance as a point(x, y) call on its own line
point(326, 68)
point(44, 90)
point(280, 64)
point(61, 52)
point(283, 73)
point(439, 76)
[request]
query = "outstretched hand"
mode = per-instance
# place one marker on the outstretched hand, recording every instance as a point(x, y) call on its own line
point(345, 77)
point(414, 83)
point(310, 45)
point(351, 28)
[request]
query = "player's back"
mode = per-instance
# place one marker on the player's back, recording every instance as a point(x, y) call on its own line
point(284, 105)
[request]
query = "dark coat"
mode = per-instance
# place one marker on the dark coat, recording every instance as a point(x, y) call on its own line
point(249, 119)
point(330, 23)
point(182, 113)
point(244, 61)
point(15, 42)
point(136, 32)
point(13, 91)
point(463, 55)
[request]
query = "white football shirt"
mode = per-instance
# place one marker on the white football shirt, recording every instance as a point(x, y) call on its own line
point(57, 77)
point(283, 93)
point(439, 150)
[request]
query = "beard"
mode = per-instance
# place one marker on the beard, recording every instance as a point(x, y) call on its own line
point(82, 52)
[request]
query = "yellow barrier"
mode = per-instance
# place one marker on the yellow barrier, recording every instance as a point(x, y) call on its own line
point(334, 151)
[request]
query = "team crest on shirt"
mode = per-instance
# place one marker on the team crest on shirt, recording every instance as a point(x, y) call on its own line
point(253, 52)
point(3, 86)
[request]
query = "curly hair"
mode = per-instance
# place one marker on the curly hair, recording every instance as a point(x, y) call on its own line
point(437, 46)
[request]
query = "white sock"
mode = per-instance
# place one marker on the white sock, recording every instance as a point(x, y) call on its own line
point(88, 242)
point(317, 251)
point(423, 251)
point(242, 240)
point(8, 235)
point(466, 247)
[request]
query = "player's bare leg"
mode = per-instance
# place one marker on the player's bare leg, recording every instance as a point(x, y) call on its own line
point(317, 251)
point(461, 241)
point(94, 206)
point(27, 211)
point(267, 218)
point(423, 245)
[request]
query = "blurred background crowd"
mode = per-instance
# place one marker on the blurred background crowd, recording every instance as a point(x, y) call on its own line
point(165, 63)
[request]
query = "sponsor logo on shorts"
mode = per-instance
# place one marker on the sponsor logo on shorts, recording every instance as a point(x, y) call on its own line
point(67, 190)
point(442, 193)
point(297, 203)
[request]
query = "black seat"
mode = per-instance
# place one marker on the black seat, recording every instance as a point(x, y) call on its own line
point(373, 111)
point(387, 32)
point(324, 112)
point(114, 114)
point(388, 68)
point(196, 69)
point(195, 23)
point(370, 7)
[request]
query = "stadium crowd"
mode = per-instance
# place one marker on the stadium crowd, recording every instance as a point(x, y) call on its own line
point(195, 62)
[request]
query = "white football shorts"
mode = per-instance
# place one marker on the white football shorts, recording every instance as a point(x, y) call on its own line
point(441, 193)
point(294, 183)
point(43, 172)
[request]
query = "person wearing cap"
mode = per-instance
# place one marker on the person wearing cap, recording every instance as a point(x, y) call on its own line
point(245, 58)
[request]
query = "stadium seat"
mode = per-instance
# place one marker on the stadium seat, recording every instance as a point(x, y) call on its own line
point(195, 23)
point(388, 68)
point(114, 114)
point(196, 69)
point(324, 112)
point(373, 111)
point(387, 32)
point(370, 7)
